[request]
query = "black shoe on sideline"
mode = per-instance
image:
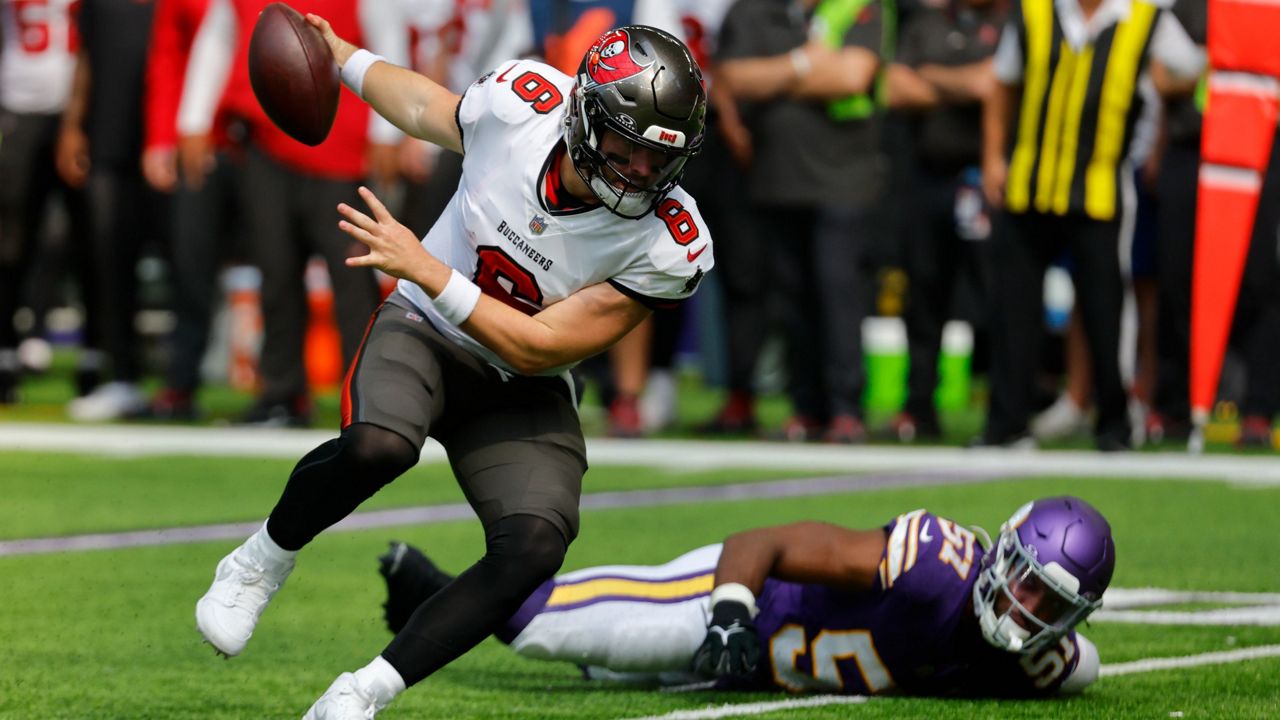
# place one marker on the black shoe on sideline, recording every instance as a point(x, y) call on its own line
point(1018, 441)
point(171, 404)
point(907, 428)
point(295, 413)
point(1107, 443)
point(8, 387)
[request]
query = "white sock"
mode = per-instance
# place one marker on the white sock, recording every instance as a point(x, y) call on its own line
point(269, 550)
point(381, 681)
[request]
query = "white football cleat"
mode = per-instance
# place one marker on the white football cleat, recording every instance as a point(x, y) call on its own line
point(344, 700)
point(111, 401)
point(1061, 420)
point(658, 401)
point(243, 584)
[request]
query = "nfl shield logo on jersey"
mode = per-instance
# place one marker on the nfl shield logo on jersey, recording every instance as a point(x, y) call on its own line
point(537, 224)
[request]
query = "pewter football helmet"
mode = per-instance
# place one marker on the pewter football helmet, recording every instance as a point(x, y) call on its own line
point(1045, 574)
point(643, 84)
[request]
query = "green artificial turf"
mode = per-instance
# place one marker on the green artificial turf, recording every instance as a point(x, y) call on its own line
point(110, 634)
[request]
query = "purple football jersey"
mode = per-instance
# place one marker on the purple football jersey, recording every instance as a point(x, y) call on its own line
point(914, 631)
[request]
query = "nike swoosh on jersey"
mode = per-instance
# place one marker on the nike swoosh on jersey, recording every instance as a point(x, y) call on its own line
point(502, 77)
point(925, 537)
point(694, 255)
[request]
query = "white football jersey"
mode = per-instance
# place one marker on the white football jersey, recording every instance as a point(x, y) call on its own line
point(498, 231)
point(40, 43)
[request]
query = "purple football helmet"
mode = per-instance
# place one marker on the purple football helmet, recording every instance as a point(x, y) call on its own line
point(1046, 572)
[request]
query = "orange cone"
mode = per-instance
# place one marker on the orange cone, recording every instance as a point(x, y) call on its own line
point(323, 348)
point(244, 307)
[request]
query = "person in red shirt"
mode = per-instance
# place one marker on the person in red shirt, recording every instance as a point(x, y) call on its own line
point(201, 170)
point(289, 190)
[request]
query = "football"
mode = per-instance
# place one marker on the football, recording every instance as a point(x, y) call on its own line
point(293, 74)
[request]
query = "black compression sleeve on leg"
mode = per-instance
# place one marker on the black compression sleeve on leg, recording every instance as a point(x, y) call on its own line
point(332, 480)
point(523, 551)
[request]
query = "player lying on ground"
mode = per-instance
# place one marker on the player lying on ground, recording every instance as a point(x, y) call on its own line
point(918, 606)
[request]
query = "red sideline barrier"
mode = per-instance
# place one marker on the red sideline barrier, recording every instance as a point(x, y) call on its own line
point(1239, 127)
point(1243, 35)
point(1224, 225)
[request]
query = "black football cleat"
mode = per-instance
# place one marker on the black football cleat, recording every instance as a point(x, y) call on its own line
point(411, 580)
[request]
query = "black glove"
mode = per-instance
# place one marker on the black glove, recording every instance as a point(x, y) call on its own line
point(732, 646)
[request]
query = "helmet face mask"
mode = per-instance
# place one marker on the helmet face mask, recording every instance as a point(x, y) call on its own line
point(639, 85)
point(629, 176)
point(1045, 574)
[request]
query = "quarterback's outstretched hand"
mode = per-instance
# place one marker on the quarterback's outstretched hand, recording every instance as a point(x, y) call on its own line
point(393, 248)
point(732, 646)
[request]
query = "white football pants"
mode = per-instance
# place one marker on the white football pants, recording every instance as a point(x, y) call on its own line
point(644, 621)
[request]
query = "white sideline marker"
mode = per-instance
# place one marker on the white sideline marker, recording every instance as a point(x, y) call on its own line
point(1129, 668)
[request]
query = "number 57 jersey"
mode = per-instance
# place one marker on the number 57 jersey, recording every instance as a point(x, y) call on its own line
point(913, 632)
point(505, 228)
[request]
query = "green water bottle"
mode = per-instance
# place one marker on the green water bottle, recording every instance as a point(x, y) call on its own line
point(884, 349)
point(954, 366)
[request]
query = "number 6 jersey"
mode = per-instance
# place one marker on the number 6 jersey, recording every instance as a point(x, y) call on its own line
point(502, 229)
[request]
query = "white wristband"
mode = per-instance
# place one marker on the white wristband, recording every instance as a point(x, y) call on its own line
point(458, 299)
point(800, 62)
point(735, 592)
point(354, 70)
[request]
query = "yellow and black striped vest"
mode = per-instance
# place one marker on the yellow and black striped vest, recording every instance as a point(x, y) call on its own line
point(1077, 112)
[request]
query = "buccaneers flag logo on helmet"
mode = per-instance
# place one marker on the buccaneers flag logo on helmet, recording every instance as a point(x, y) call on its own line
point(610, 59)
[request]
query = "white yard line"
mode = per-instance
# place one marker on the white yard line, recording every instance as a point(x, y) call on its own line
point(1186, 661)
point(1257, 616)
point(150, 440)
point(757, 708)
point(1130, 598)
point(1129, 668)
point(1131, 605)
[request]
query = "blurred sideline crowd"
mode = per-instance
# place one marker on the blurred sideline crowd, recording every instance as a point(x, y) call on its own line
point(928, 160)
